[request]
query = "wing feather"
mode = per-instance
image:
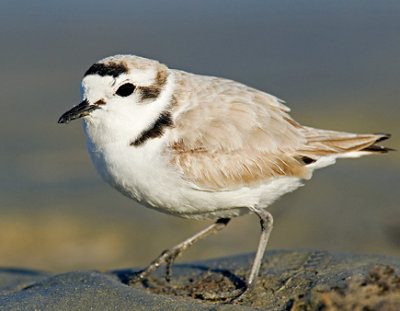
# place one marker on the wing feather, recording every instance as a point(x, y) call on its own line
point(227, 134)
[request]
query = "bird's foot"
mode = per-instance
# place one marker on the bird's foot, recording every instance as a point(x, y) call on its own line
point(167, 257)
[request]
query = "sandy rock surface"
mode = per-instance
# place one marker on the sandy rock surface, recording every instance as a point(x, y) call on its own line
point(289, 280)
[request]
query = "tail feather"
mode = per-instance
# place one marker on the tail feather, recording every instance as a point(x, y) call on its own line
point(374, 148)
point(384, 136)
point(331, 144)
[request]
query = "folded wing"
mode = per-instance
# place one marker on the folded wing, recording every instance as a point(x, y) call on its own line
point(227, 135)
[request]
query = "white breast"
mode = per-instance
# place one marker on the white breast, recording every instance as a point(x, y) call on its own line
point(141, 173)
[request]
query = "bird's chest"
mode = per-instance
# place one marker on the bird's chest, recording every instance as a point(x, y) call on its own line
point(142, 173)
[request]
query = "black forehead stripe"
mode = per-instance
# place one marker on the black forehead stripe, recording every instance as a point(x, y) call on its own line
point(106, 70)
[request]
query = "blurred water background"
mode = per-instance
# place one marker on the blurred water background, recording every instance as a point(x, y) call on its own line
point(336, 63)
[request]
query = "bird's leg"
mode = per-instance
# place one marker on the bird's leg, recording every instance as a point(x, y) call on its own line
point(266, 222)
point(168, 256)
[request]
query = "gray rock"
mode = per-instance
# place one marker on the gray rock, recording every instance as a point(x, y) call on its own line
point(288, 280)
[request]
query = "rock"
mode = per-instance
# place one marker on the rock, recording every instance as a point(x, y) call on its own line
point(289, 280)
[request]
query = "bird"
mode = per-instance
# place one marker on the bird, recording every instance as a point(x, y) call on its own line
point(200, 147)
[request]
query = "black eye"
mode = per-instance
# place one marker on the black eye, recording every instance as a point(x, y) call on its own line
point(125, 89)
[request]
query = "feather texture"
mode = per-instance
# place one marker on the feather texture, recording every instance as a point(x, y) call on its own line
point(227, 135)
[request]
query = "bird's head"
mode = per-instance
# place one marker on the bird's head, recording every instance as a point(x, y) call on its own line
point(120, 85)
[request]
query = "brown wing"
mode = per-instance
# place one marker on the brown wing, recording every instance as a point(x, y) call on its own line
point(227, 134)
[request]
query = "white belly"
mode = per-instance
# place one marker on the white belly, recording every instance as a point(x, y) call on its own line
point(145, 175)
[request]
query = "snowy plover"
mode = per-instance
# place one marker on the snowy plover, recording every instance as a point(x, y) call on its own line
point(200, 147)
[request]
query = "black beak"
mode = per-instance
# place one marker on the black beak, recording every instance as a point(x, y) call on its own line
point(83, 109)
